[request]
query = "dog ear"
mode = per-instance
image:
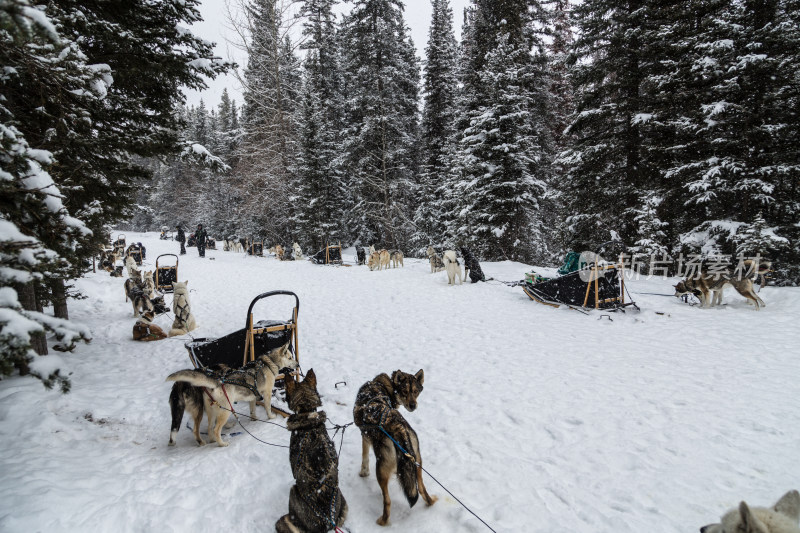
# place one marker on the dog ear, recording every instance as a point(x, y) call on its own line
point(311, 378)
point(789, 505)
point(420, 376)
point(186, 282)
point(751, 523)
point(289, 383)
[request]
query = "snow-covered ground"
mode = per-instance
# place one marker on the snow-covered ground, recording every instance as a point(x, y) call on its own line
point(538, 419)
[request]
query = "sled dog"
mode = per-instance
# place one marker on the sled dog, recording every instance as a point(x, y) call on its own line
point(371, 248)
point(709, 287)
point(361, 255)
point(451, 265)
point(130, 267)
point(437, 265)
point(135, 292)
point(471, 266)
point(144, 329)
point(374, 261)
point(376, 411)
point(279, 252)
point(252, 382)
point(298, 252)
point(316, 504)
point(780, 518)
point(397, 258)
point(384, 259)
point(149, 285)
point(184, 319)
point(185, 397)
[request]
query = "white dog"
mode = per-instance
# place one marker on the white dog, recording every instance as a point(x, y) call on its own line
point(184, 319)
point(780, 518)
point(130, 266)
point(298, 252)
point(452, 267)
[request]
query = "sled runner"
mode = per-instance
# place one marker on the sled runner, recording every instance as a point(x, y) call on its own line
point(330, 255)
point(594, 287)
point(166, 275)
point(245, 345)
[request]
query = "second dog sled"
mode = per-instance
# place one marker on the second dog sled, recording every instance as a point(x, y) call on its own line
point(593, 287)
point(330, 255)
point(245, 345)
point(165, 275)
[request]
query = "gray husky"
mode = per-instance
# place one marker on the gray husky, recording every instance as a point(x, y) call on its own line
point(316, 504)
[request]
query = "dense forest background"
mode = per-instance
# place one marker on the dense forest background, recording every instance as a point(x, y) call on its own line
point(669, 126)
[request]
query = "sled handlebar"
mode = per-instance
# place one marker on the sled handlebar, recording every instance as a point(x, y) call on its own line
point(267, 295)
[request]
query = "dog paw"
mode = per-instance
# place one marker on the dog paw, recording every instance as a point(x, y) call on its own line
point(271, 415)
point(171, 443)
point(433, 500)
point(382, 521)
point(222, 443)
point(201, 442)
point(364, 472)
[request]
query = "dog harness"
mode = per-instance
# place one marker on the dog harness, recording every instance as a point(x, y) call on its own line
point(238, 376)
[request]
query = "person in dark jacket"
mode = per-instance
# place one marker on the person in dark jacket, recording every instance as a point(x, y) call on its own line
point(181, 239)
point(200, 237)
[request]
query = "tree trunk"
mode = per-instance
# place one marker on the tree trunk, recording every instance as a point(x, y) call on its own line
point(27, 298)
point(59, 293)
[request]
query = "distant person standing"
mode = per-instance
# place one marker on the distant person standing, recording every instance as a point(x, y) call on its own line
point(200, 237)
point(181, 238)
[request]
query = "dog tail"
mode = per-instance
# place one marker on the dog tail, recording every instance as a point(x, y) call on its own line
point(177, 406)
point(407, 466)
point(194, 378)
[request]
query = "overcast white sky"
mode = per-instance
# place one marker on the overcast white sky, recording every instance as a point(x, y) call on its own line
point(216, 28)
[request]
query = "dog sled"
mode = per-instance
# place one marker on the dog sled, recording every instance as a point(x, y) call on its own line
point(255, 248)
point(330, 255)
point(245, 345)
point(119, 245)
point(166, 275)
point(596, 286)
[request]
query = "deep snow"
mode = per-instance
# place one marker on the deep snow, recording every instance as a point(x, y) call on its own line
point(539, 419)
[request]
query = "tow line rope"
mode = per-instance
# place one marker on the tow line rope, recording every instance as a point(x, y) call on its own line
point(414, 460)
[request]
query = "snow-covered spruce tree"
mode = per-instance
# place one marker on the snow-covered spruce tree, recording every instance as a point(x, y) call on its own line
point(319, 198)
point(440, 87)
point(37, 61)
point(606, 166)
point(381, 77)
point(503, 157)
point(271, 83)
point(756, 239)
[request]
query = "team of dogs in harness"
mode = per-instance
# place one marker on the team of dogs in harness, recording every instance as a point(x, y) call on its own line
point(316, 502)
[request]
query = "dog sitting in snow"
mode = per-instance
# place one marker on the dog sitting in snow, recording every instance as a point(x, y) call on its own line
point(298, 252)
point(452, 266)
point(130, 266)
point(435, 259)
point(144, 329)
point(471, 266)
point(782, 517)
point(315, 501)
point(184, 319)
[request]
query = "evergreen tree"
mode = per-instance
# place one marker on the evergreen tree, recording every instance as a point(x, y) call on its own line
point(320, 198)
point(381, 78)
point(440, 86)
point(504, 154)
point(271, 85)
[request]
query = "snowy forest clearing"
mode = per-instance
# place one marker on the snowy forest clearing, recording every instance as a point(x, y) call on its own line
point(538, 419)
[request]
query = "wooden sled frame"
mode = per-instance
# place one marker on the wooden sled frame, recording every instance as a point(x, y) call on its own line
point(165, 287)
point(251, 247)
point(251, 332)
point(118, 248)
point(596, 273)
point(328, 254)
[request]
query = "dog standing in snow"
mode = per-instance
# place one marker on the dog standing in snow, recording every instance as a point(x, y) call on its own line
point(298, 252)
point(435, 259)
point(780, 518)
point(451, 265)
point(130, 266)
point(184, 319)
